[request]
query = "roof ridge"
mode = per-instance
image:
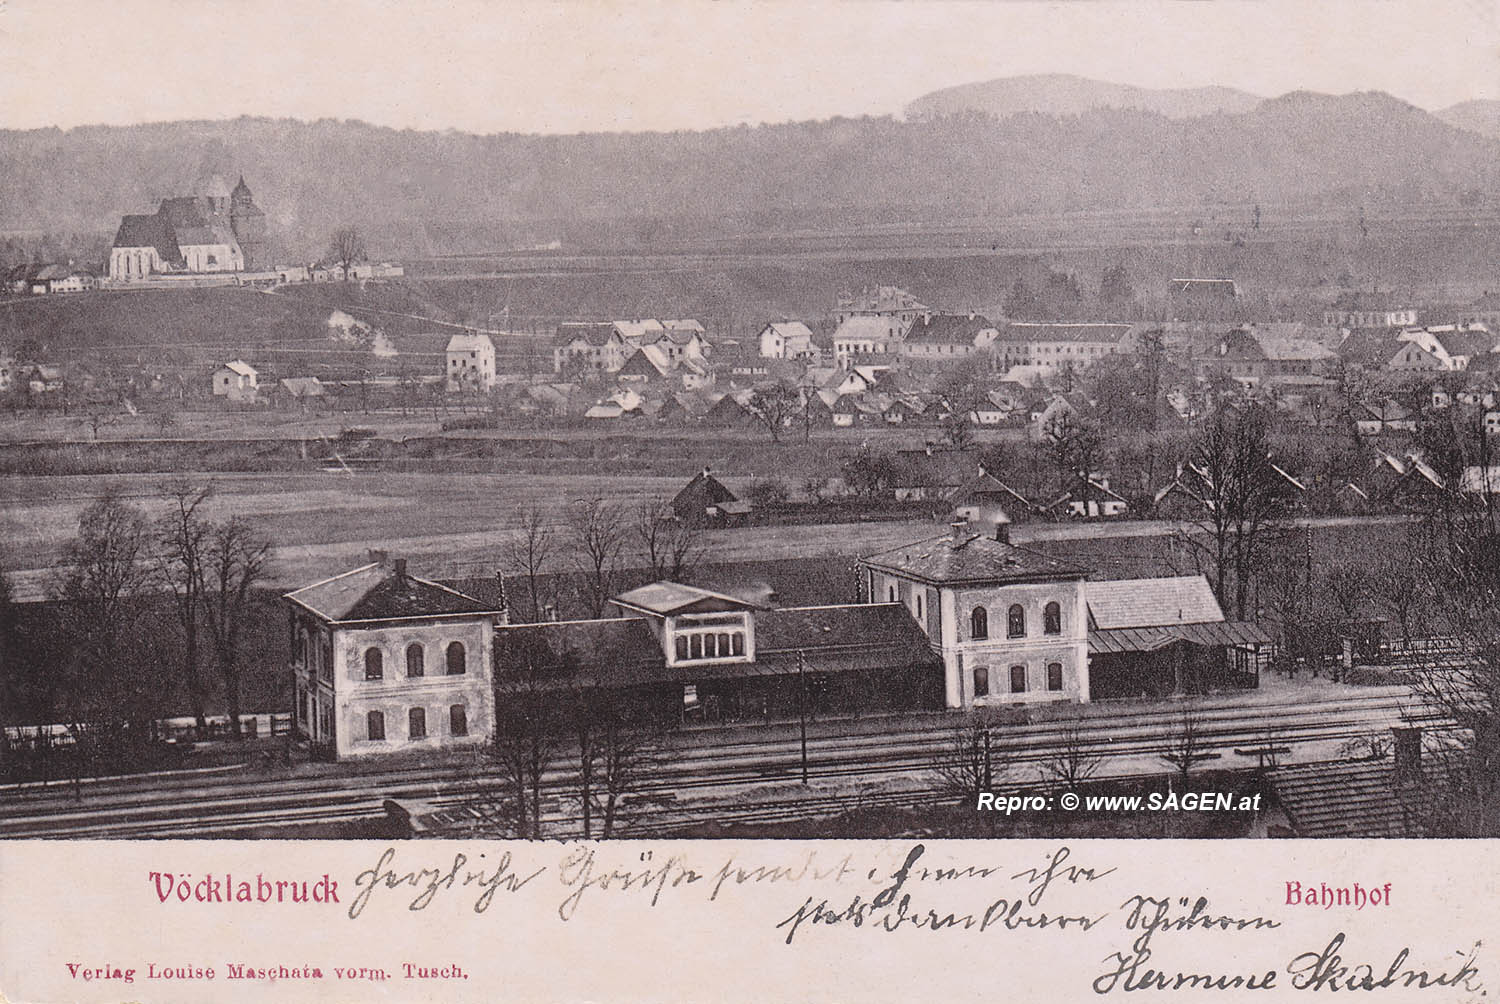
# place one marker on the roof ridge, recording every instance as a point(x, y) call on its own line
point(333, 578)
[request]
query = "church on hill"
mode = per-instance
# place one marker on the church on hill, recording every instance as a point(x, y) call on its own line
point(217, 230)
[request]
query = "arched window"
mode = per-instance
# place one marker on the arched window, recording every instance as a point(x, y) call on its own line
point(458, 720)
point(979, 624)
point(1018, 679)
point(1054, 676)
point(416, 723)
point(374, 664)
point(1015, 621)
point(414, 660)
point(892, 593)
point(682, 646)
point(375, 726)
point(1052, 618)
point(457, 664)
point(981, 681)
point(738, 642)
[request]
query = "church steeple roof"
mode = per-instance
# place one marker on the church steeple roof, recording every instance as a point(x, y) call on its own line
point(242, 190)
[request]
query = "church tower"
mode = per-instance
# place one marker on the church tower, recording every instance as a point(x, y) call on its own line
point(249, 225)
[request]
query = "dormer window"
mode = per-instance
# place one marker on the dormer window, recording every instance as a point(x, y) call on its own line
point(704, 637)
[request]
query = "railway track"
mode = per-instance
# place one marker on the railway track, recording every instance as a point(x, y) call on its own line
point(236, 800)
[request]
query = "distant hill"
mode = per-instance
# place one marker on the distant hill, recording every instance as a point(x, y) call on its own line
point(430, 193)
point(1064, 94)
point(1482, 117)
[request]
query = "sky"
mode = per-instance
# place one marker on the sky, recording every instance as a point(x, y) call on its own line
point(604, 65)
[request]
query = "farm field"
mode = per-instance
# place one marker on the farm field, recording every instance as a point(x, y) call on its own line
point(451, 525)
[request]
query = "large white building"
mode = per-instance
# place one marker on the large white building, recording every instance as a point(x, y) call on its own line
point(1053, 347)
point(383, 661)
point(1010, 624)
point(471, 362)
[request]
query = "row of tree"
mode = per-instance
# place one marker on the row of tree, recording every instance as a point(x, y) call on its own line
point(144, 606)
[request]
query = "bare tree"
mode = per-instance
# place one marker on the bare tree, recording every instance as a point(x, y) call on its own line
point(1347, 585)
point(111, 691)
point(671, 546)
point(970, 760)
point(1070, 761)
point(345, 248)
point(1074, 446)
point(775, 407)
point(531, 552)
point(619, 751)
point(236, 560)
point(528, 678)
point(1462, 570)
point(1185, 746)
point(599, 531)
point(1397, 582)
point(1243, 500)
point(181, 548)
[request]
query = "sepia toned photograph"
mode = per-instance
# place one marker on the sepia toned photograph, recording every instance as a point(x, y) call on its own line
point(686, 420)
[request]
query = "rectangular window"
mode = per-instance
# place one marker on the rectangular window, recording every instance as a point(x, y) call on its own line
point(1018, 679)
point(458, 720)
point(375, 726)
point(981, 681)
point(1054, 676)
point(416, 723)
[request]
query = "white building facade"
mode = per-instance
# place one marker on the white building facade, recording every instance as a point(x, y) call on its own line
point(384, 662)
point(1010, 624)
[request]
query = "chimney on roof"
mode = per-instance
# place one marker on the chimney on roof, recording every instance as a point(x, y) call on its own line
point(1002, 528)
point(399, 565)
point(1408, 742)
point(959, 528)
point(706, 470)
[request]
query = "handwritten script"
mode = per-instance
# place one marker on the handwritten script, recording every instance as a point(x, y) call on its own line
point(1060, 901)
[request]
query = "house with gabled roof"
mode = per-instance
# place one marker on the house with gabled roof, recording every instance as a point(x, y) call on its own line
point(943, 338)
point(706, 501)
point(384, 661)
point(787, 340)
point(471, 362)
point(1453, 346)
point(863, 335)
point(592, 347)
point(1088, 497)
point(646, 365)
point(236, 381)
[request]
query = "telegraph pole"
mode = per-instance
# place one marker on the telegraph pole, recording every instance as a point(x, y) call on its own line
point(802, 707)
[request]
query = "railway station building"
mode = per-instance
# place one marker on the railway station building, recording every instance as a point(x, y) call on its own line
point(695, 655)
point(1013, 626)
point(384, 661)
